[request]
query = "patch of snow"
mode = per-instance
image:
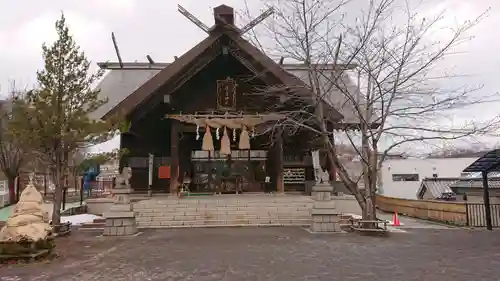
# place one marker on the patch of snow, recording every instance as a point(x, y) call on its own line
point(391, 223)
point(80, 219)
point(354, 216)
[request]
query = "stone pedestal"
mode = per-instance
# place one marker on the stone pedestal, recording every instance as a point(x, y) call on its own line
point(120, 219)
point(325, 219)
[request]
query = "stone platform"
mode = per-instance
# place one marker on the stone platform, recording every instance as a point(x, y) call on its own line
point(249, 209)
point(225, 210)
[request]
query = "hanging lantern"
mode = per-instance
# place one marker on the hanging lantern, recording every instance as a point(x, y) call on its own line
point(197, 132)
point(217, 136)
point(253, 132)
point(234, 135)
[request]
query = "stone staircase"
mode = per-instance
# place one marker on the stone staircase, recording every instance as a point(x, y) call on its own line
point(227, 210)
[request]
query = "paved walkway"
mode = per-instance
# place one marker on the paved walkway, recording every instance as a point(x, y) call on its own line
point(270, 254)
point(408, 222)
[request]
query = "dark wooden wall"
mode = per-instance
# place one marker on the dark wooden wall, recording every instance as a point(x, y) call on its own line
point(150, 130)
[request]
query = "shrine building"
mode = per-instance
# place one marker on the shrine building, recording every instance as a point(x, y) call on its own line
point(198, 122)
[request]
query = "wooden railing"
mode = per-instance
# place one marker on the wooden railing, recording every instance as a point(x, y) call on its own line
point(441, 211)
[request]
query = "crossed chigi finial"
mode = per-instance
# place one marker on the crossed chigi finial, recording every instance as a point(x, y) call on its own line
point(242, 30)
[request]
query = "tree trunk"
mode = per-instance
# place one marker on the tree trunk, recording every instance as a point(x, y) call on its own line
point(11, 182)
point(363, 197)
point(58, 183)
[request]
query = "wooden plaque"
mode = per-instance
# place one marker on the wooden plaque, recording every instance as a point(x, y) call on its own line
point(226, 93)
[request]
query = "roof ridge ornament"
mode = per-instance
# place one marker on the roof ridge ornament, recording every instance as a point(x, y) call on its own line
point(222, 19)
point(193, 19)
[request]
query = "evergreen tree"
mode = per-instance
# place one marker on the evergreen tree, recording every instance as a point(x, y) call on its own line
point(58, 122)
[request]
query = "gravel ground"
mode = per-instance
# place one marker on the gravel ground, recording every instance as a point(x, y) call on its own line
point(284, 254)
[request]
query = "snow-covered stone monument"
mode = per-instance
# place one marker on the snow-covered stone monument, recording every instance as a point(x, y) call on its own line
point(120, 219)
point(27, 232)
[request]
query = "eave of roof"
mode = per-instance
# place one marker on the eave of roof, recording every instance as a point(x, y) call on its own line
point(489, 162)
point(131, 65)
point(144, 91)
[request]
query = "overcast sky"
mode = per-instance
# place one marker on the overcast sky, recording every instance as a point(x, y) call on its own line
point(155, 27)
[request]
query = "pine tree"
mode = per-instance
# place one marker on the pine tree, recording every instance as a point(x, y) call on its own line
point(58, 122)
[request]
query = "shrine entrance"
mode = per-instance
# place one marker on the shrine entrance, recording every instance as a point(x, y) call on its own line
point(224, 155)
point(203, 122)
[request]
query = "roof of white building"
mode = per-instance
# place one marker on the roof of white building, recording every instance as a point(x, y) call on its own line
point(436, 186)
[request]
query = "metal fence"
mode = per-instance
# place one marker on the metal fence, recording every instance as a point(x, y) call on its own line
point(4, 194)
point(476, 216)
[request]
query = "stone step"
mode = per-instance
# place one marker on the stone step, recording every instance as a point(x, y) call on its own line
point(222, 216)
point(243, 204)
point(235, 208)
point(199, 221)
point(93, 225)
point(140, 220)
point(225, 208)
point(215, 222)
point(213, 213)
point(225, 200)
point(152, 210)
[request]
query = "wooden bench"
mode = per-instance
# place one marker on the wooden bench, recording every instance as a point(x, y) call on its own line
point(380, 226)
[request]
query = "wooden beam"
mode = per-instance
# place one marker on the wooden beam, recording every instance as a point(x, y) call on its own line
point(193, 19)
point(115, 44)
point(280, 184)
point(257, 20)
point(258, 70)
point(200, 63)
point(176, 82)
point(174, 154)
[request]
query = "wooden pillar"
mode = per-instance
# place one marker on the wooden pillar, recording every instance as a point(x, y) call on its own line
point(486, 199)
point(280, 184)
point(174, 156)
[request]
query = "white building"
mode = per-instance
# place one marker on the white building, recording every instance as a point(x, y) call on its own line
point(401, 178)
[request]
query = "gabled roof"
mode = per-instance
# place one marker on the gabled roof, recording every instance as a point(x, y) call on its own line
point(128, 104)
point(489, 162)
point(493, 182)
point(439, 186)
point(436, 186)
point(119, 83)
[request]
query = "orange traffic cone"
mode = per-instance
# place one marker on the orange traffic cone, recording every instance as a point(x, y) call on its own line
point(395, 220)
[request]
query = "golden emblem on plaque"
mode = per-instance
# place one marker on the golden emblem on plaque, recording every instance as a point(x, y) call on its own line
point(226, 93)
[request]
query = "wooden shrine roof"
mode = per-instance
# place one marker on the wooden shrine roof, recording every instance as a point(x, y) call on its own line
point(120, 82)
point(138, 81)
point(152, 85)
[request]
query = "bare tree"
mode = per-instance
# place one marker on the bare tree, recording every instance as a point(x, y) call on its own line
point(401, 95)
point(12, 155)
